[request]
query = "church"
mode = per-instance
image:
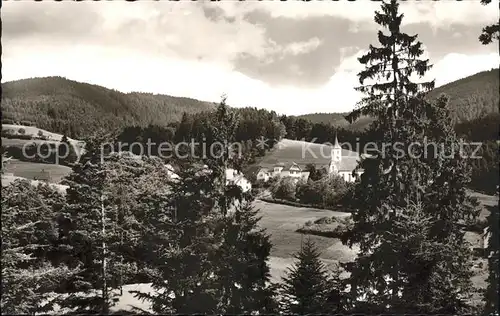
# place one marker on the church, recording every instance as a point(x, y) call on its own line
point(290, 160)
point(344, 162)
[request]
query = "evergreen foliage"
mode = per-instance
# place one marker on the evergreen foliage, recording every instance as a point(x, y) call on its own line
point(30, 273)
point(210, 257)
point(490, 32)
point(308, 288)
point(401, 180)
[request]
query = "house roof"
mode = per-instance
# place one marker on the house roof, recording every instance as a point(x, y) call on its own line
point(288, 165)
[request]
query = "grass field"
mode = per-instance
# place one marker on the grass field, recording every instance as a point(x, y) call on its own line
point(300, 152)
point(31, 170)
point(33, 131)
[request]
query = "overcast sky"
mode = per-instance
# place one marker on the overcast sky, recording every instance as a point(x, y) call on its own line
point(291, 57)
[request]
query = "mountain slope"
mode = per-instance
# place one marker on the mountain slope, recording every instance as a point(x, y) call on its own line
point(470, 98)
point(74, 108)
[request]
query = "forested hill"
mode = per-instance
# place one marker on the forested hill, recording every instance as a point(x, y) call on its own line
point(470, 98)
point(75, 108)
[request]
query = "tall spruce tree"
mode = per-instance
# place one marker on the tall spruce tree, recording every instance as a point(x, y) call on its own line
point(97, 224)
point(210, 257)
point(242, 271)
point(308, 288)
point(402, 174)
point(489, 34)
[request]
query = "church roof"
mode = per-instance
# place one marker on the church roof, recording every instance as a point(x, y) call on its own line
point(348, 163)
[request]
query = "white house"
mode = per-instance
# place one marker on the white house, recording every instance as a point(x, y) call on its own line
point(171, 172)
point(236, 177)
point(263, 175)
point(281, 170)
point(232, 176)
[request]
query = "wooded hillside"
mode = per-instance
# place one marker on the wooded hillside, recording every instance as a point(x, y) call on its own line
point(470, 98)
point(75, 108)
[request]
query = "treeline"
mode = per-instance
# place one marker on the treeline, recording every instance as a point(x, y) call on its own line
point(483, 131)
point(254, 125)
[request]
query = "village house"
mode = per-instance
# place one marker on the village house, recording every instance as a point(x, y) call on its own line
point(281, 170)
point(232, 177)
point(235, 177)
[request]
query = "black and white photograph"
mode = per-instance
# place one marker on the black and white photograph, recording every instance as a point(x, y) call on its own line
point(250, 157)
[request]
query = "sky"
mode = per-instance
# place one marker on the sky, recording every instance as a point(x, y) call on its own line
point(291, 57)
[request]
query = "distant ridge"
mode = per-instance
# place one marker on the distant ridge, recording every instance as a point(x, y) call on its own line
point(75, 108)
point(471, 97)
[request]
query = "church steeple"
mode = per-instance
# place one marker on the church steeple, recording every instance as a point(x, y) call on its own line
point(336, 151)
point(336, 145)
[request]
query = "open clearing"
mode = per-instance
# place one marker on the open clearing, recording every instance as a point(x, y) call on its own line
point(32, 170)
point(33, 131)
point(300, 152)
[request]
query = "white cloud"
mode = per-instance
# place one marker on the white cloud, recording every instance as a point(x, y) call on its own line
point(436, 13)
point(156, 47)
point(299, 48)
point(455, 66)
point(118, 69)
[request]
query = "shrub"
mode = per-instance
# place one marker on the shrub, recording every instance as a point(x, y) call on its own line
point(8, 133)
point(309, 193)
point(21, 131)
point(284, 189)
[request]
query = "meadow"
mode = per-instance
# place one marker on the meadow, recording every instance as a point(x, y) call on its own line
point(32, 170)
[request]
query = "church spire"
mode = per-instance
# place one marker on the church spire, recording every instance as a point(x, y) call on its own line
point(336, 144)
point(336, 151)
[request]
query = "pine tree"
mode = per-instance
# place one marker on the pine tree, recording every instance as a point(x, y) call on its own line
point(493, 237)
point(98, 222)
point(184, 129)
point(66, 152)
point(178, 241)
point(29, 277)
point(402, 175)
point(241, 261)
point(307, 287)
point(209, 258)
point(490, 32)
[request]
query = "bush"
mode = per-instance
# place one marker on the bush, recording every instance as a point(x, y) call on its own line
point(327, 192)
point(8, 133)
point(21, 131)
point(310, 193)
point(284, 189)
